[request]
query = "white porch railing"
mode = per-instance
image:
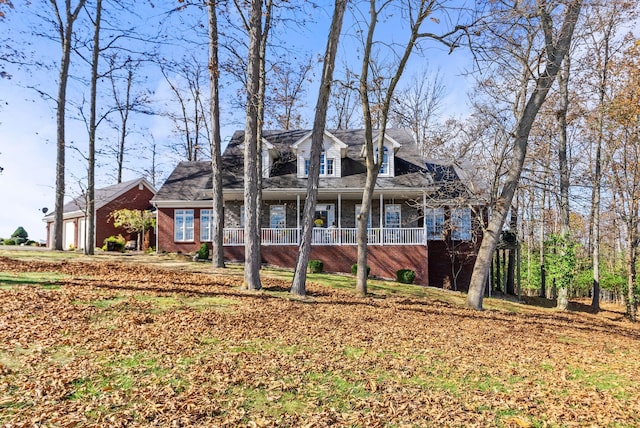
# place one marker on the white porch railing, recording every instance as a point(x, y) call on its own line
point(331, 236)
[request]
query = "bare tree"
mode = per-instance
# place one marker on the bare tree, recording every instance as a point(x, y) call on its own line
point(216, 156)
point(624, 123)
point(552, 52)
point(185, 79)
point(383, 89)
point(89, 247)
point(251, 154)
point(63, 21)
point(298, 286)
point(287, 92)
point(416, 107)
point(344, 102)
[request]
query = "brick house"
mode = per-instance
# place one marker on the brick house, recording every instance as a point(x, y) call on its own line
point(134, 195)
point(422, 216)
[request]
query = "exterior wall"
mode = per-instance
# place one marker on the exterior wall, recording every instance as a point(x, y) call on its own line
point(134, 199)
point(166, 242)
point(440, 272)
point(383, 260)
point(331, 149)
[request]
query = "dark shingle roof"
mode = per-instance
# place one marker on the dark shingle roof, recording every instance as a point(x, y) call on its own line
point(192, 180)
point(102, 196)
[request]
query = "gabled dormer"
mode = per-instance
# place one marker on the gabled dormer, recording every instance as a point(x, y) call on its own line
point(269, 155)
point(390, 147)
point(333, 151)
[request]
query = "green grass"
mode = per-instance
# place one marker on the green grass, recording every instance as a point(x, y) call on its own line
point(49, 280)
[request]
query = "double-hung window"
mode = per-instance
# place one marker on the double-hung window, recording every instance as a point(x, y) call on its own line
point(461, 224)
point(392, 215)
point(384, 167)
point(183, 225)
point(434, 223)
point(327, 165)
point(277, 217)
point(206, 225)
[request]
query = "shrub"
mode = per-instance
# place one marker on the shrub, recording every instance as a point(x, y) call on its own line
point(405, 276)
point(354, 269)
point(115, 243)
point(203, 252)
point(315, 266)
point(9, 242)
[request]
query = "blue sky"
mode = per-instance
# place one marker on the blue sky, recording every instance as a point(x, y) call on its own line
point(27, 121)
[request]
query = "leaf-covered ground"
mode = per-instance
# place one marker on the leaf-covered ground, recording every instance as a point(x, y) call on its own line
point(122, 344)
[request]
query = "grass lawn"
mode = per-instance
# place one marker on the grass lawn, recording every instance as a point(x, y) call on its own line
point(162, 341)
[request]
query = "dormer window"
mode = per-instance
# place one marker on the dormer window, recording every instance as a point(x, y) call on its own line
point(384, 168)
point(326, 166)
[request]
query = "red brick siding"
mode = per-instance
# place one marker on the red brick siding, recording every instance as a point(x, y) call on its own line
point(165, 232)
point(133, 199)
point(384, 261)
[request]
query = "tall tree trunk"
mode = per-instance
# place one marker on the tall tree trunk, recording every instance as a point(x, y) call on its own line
point(597, 173)
point(252, 226)
point(631, 301)
point(65, 30)
point(555, 54)
point(298, 286)
point(89, 247)
point(217, 253)
point(565, 280)
point(373, 165)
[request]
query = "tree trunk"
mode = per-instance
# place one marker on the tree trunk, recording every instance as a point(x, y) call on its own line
point(298, 286)
point(565, 280)
point(252, 226)
point(631, 301)
point(556, 54)
point(89, 247)
point(65, 29)
point(217, 248)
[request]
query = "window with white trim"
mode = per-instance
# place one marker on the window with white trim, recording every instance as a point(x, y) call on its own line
point(206, 225)
point(392, 215)
point(277, 217)
point(327, 166)
point(434, 223)
point(183, 225)
point(384, 168)
point(461, 224)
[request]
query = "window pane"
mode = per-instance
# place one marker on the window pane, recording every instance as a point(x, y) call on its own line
point(277, 217)
point(306, 167)
point(206, 225)
point(461, 224)
point(322, 160)
point(329, 166)
point(392, 215)
point(434, 222)
point(183, 225)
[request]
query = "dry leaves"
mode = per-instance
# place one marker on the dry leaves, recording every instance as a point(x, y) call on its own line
point(130, 345)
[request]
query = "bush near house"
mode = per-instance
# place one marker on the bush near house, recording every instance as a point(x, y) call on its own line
point(203, 252)
point(315, 266)
point(405, 276)
point(20, 236)
point(114, 243)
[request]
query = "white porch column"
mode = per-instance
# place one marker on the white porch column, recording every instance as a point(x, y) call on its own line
point(424, 218)
point(298, 219)
point(339, 218)
point(381, 219)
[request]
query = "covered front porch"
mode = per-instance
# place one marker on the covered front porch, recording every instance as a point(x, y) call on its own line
point(394, 219)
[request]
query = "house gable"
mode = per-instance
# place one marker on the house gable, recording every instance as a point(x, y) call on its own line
point(333, 151)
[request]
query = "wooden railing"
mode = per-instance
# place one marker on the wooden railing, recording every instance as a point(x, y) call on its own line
point(331, 236)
